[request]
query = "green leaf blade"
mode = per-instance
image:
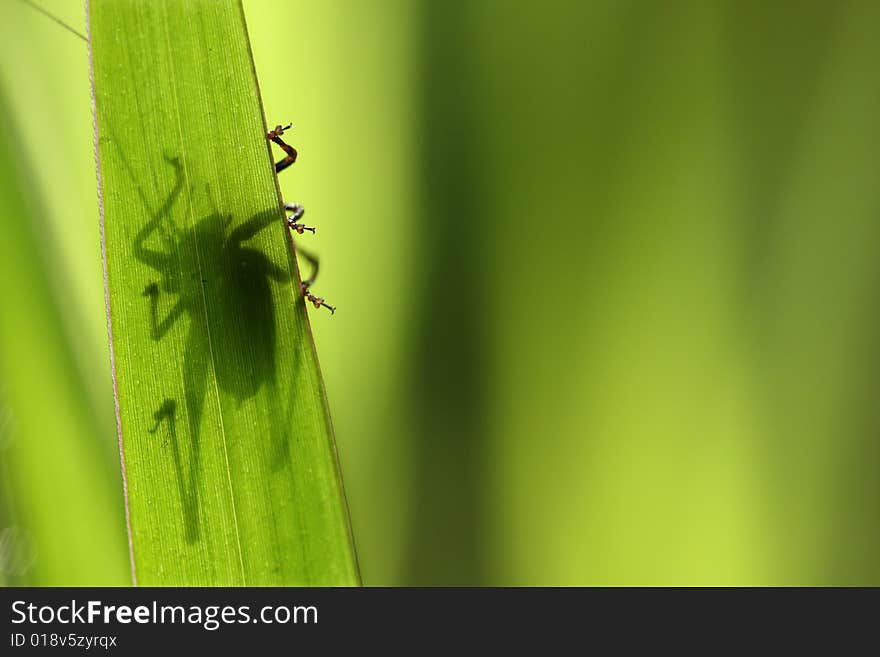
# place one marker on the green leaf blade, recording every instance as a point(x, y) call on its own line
point(228, 447)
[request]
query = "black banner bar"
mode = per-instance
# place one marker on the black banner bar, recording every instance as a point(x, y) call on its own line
point(288, 620)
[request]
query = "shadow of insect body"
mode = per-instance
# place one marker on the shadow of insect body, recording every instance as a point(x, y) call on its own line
point(223, 287)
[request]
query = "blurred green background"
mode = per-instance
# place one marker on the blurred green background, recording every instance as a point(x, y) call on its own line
point(607, 278)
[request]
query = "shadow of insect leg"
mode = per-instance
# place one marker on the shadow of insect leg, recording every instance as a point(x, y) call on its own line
point(168, 411)
point(194, 382)
point(159, 329)
point(252, 226)
point(159, 260)
point(279, 431)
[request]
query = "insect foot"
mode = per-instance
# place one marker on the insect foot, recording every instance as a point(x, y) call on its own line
point(317, 301)
point(278, 131)
point(166, 410)
point(298, 211)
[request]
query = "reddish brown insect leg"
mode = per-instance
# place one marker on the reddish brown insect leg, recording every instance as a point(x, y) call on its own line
point(275, 135)
point(317, 301)
point(298, 211)
point(307, 284)
point(278, 131)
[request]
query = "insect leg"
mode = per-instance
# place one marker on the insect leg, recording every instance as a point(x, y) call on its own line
point(149, 256)
point(306, 284)
point(166, 412)
point(161, 328)
point(298, 211)
point(275, 135)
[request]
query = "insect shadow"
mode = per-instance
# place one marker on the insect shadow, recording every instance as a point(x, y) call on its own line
point(223, 287)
